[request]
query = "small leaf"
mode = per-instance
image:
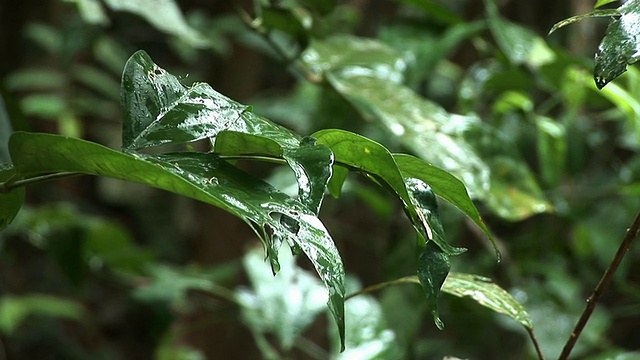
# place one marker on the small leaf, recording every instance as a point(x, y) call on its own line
point(433, 267)
point(593, 14)
point(487, 294)
point(620, 46)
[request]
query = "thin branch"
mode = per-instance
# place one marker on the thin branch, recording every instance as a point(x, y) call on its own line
point(9, 185)
point(632, 233)
point(535, 342)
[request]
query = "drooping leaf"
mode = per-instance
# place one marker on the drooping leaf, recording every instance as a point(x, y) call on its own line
point(200, 176)
point(375, 161)
point(164, 15)
point(285, 304)
point(425, 202)
point(424, 127)
point(10, 202)
point(444, 185)
point(160, 110)
point(620, 46)
point(433, 267)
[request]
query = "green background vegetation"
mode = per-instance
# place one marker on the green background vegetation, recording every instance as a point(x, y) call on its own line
point(99, 268)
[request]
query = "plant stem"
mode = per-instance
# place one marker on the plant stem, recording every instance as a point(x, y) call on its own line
point(535, 342)
point(9, 185)
point(632, 233)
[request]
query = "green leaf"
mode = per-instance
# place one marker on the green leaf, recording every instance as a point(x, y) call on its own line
point(620, 45)
point(10, 202)
point(312, 165)
point(444, 185)
point(425, 202)
point(593, 14)
point(366, 155)
point(164, 15)
point(433, 267)
point(338, 177)
point(159, 110)
point(487, 294)
point(200, 176)
point(15, 309)
point(91, 11)
point(424, 127)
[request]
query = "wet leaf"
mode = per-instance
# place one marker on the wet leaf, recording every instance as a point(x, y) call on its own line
point(200, 176)
point(487, 294)
point(160, 110)
point(433, 267)
point(620, 46)
point(424, 127)
point(312, 165)
point(444, 185)
point(375, 161)
point(425, 202)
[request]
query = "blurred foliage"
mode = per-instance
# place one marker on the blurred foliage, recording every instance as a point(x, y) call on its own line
point(95, 268)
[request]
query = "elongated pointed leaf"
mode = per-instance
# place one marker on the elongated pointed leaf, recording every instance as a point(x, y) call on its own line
point(433, 267)
point(595, 13)
point(200, 176)
point(444, 185)
point(422, 126)
point(425, 202)
point(620, 46)
point(374, 160)
point(160, 110)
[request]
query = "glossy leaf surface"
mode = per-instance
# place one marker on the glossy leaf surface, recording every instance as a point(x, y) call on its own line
point(433, 267)
point(620, 46)
point(200, 176)
point(444, 185)
point(374, 160)
point(160, 110)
